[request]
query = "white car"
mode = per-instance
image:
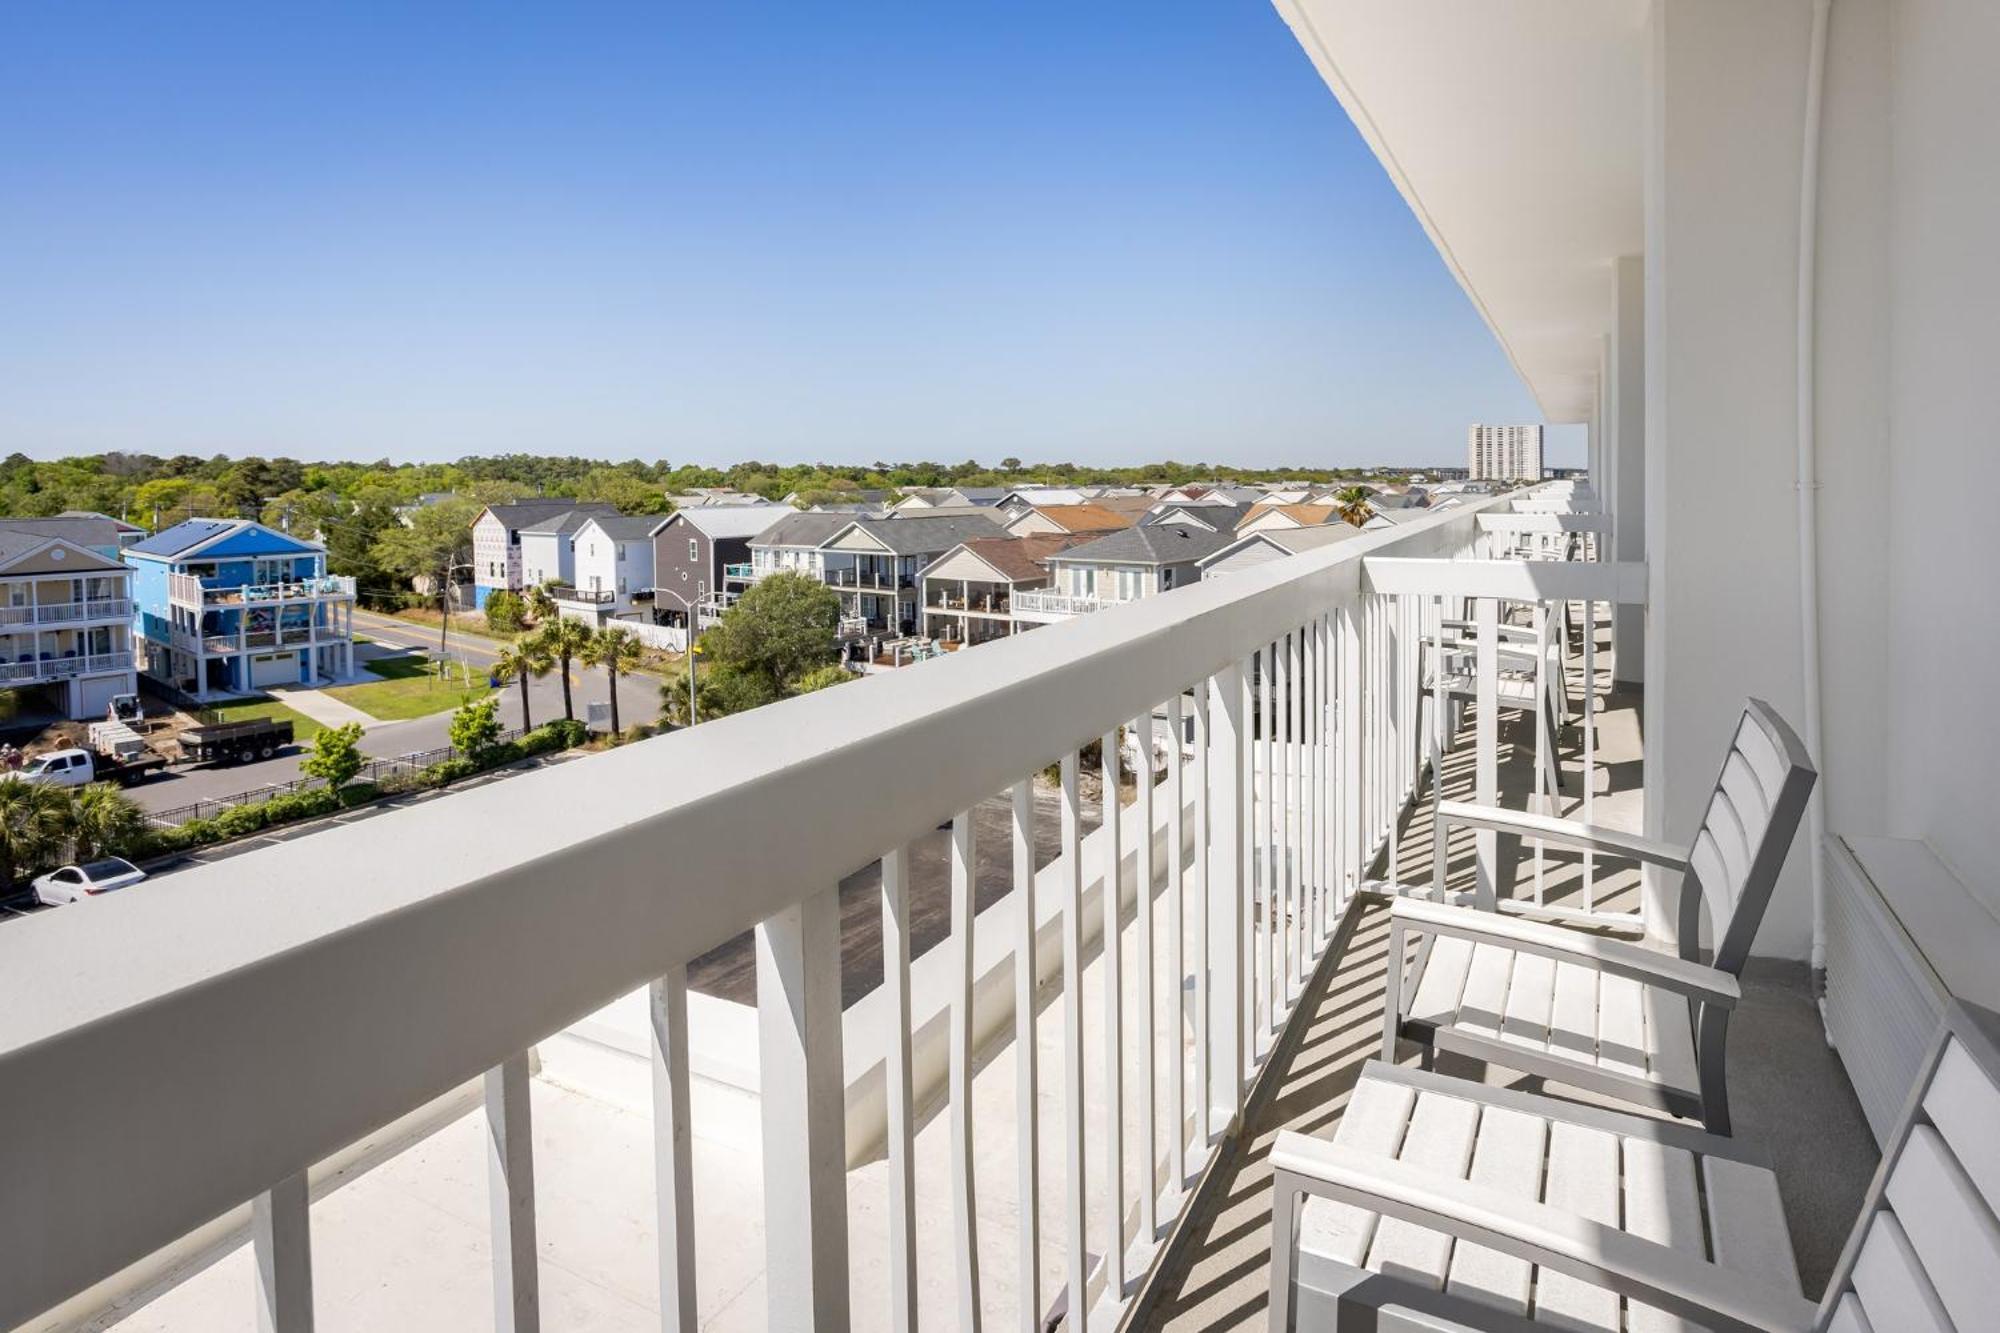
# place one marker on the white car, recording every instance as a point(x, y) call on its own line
point(73, 883)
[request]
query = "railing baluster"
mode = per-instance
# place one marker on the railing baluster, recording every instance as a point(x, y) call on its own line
point(803, 1104)
point(1177, 950)
point(1486, 779)
point(1309, 801)
point(673, 1150)
point(1228, 883)
point(1072, 995)
point(510, 1175)
point(896, 1079)
point(1204, 877)
point(964, 1201)
point(1265, 826)
point(1026, 1076)
point(1149, 1191)
point(1294, 791)
point(281, 1241)
point(1114, 1056)
point(1350, 751)
point(1590, 745)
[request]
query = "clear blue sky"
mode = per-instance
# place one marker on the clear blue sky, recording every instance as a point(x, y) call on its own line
point(1100, 232)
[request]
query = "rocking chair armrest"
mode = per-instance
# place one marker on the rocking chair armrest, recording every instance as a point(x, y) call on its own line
point(1596, 952)
point(1675, 1280)
point(1562, 832)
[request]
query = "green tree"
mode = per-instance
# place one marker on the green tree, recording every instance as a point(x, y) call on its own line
point(1351, 503)
point(526, 659)
point(564, 641)
point(475, 727)
point(104, 821)
point(34, 825)
point(431, 544)
point(822, 678)
point(778, 631)
point(541, 605)
point(618, 651)
point(336, 755)
point(504, 611)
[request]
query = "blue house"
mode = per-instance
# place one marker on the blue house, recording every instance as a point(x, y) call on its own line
point(229, 605)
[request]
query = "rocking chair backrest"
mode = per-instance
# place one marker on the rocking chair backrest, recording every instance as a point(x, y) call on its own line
point(1740, 847)
point(1927, 1244)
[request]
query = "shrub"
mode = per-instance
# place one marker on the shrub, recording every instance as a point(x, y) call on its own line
point(336, 755)
point(240, 820)
point(506, 612)
point(447, 771)
point(475, 727)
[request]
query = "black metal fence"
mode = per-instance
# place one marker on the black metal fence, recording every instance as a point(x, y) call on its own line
point(374, 770)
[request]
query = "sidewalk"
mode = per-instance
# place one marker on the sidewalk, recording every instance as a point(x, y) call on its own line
point(322, 707)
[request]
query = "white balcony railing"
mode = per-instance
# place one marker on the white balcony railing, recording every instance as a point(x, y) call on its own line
point(66, 613)
point(57, 667)
point(311, 992)
point(1040, 602)
point(189, 590)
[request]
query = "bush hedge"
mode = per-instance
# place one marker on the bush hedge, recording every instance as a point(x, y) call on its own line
point(242, 820)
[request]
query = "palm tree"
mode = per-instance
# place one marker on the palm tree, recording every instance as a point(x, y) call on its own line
point(524, 659)
point(1352, 504)
point(616, 649)
point(565, 641)
point(541, 606)
point(104, 821)
point(34, 824)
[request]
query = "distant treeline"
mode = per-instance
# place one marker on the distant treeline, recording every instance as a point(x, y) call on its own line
point(158, 491)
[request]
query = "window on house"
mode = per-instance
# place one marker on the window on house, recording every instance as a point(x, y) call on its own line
point(694, 551)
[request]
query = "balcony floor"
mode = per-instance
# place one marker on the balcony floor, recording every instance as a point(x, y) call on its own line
point(1788, 1091)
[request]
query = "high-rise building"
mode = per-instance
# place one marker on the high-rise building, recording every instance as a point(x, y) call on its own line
point(1504, 453)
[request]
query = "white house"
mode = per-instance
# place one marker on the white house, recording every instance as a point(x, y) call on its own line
point(613, 565)
point(496, 541)
point(548, 549)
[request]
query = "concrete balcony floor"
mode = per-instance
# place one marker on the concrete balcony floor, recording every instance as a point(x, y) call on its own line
point(1789, 1094)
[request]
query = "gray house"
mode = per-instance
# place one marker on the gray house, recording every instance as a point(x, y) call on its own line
point(701, 560)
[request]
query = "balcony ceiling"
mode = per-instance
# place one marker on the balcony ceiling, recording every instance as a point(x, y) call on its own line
point(1514, 130)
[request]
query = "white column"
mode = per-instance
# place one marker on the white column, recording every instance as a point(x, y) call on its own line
point(511, 1190)
point(1623, 494)
point(281, 1244)
point(804, 1114)
point(1723, 146)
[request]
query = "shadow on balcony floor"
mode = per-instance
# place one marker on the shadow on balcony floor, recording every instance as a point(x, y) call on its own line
point(1790, 1095)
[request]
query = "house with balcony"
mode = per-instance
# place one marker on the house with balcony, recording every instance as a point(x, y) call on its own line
point(65, 619)
point(1491, 772)
point(874, 563)
point(225, 606)
point(702, 562)
point(970, 589)
point(1123, 566)
point(612, 557)
point(548, 549)
point(497, 563)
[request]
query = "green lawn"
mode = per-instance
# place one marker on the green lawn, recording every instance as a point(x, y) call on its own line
point(408, 688)
point(243, 710)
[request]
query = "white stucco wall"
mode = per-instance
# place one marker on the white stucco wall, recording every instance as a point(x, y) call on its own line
point(1943, 613)
point(1721, 262)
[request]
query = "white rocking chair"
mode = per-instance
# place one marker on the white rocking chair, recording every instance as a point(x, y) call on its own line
point(1615, 1018)
point(1442, 1204)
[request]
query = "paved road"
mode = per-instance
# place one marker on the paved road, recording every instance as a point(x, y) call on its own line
point(638, 700)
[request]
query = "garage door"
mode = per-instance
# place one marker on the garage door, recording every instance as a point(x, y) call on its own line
point(274, 669)
point(95, 694)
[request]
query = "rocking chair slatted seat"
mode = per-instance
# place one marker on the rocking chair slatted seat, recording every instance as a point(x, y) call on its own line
point(1612, 1017)
point(1443, 1204)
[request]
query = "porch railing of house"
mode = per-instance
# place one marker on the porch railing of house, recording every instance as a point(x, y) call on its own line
point(316, 990)
point(583, 596)
point(1039, 601)
point(741, 572)
point(60, 667)
point(190, 590)
point(53, 613)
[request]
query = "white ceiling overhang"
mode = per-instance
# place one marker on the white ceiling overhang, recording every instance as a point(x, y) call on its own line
point(1514, 130)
